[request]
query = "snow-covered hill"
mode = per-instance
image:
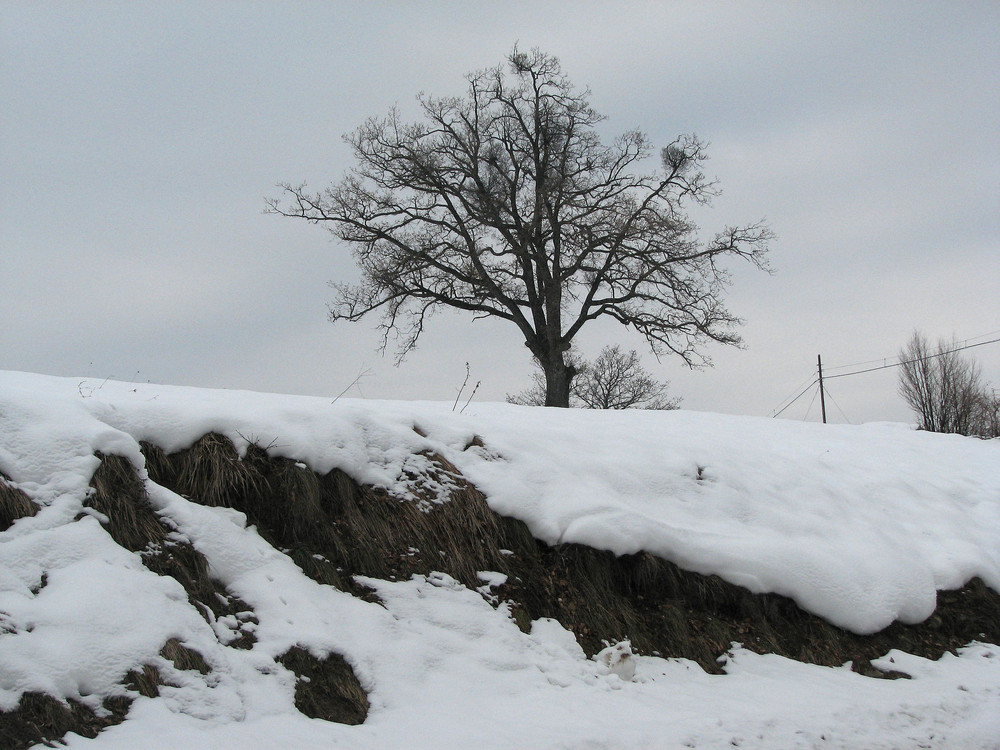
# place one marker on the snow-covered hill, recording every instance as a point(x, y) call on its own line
point(859, 525)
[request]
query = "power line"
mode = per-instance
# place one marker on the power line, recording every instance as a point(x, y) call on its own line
point(885, 360)
point(811, 402)
point(846, 418)
point(910, 361)
point(803, 393)
point(782, 405)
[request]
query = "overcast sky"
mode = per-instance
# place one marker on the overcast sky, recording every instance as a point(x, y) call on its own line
point(138, 142)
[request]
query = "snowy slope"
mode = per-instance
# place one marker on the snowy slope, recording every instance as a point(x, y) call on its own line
point(859, 524)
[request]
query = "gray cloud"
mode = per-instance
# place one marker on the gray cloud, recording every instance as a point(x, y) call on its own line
point(140, 141)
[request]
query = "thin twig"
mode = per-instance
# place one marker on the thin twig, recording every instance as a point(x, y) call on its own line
point(460, 390)
point(362, 374)
point(470, 396)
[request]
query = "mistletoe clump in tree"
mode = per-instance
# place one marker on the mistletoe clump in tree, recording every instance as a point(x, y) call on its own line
point(506, 203)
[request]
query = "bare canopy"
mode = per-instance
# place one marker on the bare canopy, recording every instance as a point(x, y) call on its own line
point(505, 203)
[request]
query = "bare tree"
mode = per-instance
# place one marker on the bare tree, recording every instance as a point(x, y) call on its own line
point(943, 388)
point(505, 203)
point(989, 413)
point(615, 380)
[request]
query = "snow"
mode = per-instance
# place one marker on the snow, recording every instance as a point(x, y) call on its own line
point(859, 524)
point(617, 659)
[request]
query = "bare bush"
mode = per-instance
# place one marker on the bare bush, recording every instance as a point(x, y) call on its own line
point(615, 380)
point(989, 413)
point(946, 390)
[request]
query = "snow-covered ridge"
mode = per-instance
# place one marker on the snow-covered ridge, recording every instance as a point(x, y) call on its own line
point(871, 517)
point(859, 524)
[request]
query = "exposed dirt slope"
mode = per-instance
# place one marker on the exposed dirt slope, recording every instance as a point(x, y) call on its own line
point(335, 529)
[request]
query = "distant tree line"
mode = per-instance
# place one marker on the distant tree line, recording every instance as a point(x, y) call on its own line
point(946, 390)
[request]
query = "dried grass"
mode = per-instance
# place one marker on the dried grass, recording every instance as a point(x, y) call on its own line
point(147, 680)
point(119, 495)
point(41, 719)
point(335, 529)
point(327, 688)
point(672, 612)
point(14, 504)
point(279, 495)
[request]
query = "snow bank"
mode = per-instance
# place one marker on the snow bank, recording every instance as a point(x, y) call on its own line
point(858, 524)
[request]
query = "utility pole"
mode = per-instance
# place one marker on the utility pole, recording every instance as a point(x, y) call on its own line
point(822, 397)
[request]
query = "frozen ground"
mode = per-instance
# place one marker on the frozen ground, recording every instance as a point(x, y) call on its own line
point(858, 524)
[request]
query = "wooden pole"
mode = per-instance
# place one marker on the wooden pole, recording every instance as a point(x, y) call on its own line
point(822, 397)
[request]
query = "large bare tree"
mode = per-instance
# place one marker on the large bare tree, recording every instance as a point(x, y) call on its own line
point(505, 203)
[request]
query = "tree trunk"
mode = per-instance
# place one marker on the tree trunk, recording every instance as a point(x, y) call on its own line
point(558, 379)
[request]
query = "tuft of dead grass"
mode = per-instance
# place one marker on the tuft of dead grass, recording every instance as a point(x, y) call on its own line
point(147, 680)
point(14, 504)
point(117, 492)
point(327, 687)
point(119, 495)
point(41, 719)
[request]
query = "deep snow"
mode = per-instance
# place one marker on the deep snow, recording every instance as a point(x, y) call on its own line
point(860, 525)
